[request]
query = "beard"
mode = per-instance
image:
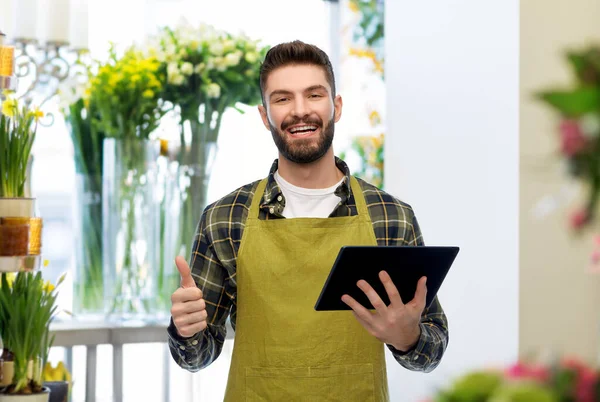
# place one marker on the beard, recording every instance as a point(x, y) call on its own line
point(303, 150)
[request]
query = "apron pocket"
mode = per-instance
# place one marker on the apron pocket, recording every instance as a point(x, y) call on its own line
point(353, 382)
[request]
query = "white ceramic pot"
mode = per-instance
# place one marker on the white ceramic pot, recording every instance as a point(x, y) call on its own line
point(25, 263)
point(8, 371)
point(43, 396)
point(17, 207)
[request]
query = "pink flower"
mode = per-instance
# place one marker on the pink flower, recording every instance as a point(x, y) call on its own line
point(585, 388)
point(572, 363)
point(536, 372)
point(579, 218)
point(572, 138)
point(586, 379)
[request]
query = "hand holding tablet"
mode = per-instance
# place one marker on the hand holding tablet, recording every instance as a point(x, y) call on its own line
point(405, 266)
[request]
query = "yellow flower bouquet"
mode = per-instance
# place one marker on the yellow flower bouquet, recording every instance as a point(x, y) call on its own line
point(125, 95)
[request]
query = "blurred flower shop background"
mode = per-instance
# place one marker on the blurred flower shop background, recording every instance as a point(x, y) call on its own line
point(121, 120)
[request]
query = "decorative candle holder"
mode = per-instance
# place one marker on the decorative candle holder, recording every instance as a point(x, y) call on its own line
point(35, 231)
point(14, 240)
point(41, 68)
point(20, 235)
point(8, 80)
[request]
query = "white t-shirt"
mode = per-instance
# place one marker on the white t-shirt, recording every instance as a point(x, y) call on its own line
point(307, 202)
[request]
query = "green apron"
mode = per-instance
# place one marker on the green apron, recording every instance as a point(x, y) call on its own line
point(284, 350)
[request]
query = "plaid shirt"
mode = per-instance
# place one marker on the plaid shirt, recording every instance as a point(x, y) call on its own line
point(213, 265)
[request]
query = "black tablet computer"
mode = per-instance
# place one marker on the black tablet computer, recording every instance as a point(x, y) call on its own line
point(405, 265)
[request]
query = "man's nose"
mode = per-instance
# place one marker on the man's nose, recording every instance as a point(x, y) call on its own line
point(300, 108)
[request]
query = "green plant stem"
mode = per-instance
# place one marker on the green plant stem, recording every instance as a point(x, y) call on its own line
point(132, 198)
point(89, 286)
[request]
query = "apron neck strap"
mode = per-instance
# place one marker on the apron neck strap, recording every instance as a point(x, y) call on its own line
point(257, 199)
point(359, 198)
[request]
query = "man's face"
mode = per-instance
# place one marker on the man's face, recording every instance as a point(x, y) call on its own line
point(300, 112)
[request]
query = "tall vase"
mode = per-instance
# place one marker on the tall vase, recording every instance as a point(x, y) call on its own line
point(131, 225)
point(88, 297)
point(185, 200)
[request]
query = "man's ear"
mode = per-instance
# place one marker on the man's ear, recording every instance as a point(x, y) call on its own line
point(337, 107)
point(263, 114)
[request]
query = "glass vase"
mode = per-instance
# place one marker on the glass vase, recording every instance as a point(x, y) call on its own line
point(131, 227)
point(88, 283)
point(186, 188)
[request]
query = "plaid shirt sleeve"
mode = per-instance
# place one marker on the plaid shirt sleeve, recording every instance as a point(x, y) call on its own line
point(214, 277)
point(426, 355)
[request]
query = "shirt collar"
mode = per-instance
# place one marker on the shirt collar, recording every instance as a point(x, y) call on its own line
point(273, 198)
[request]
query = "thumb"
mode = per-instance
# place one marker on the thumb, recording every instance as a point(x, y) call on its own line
point(186, 274)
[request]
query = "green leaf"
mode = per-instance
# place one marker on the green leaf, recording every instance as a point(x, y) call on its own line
point(577, 62)
point(573, 103)
point(241, 111)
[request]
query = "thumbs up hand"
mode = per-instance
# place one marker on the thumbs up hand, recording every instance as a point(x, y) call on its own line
point(188, 307)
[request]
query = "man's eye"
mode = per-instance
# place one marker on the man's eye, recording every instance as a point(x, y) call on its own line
point(315, 96)
point(281, 100)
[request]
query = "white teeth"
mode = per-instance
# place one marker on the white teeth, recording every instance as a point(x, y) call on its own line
point(303, 128)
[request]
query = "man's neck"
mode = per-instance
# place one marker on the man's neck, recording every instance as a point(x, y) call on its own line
point(322, 173)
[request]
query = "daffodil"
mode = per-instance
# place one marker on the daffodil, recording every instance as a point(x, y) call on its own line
point(48, 287)
point(37, 114)
point(9, 107)
point(10, 278)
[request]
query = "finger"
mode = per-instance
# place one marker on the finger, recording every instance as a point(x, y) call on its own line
point(391, 289)
point(367, 325)
point(358, 309)
point(420, 298)
point(188, 307)
point(190, 319)
point(183, 295)
point(186, 274)
point(374, 298)
point(191, 330)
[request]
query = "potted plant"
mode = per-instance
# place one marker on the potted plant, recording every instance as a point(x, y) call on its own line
point(27, 306)
point(20, 230)
point(563, 380)
point(58, 380)
point(18, 128)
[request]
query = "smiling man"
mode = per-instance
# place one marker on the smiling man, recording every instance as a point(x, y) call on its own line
point(262, 253)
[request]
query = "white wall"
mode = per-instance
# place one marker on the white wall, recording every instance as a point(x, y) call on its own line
point(548, 248)
point(452, 149)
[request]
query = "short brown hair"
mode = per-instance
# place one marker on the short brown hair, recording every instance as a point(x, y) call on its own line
point(296, 52)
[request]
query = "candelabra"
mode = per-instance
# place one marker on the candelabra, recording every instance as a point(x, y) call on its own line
point(35, 72)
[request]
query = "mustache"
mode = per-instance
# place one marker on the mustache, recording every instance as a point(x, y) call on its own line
point(309, 121)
